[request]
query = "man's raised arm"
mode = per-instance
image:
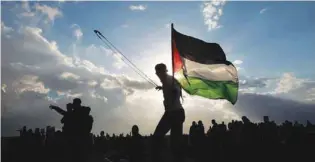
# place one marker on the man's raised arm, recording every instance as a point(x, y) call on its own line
point(58, 109)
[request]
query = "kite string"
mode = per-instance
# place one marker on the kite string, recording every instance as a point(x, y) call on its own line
point(147, 79)
point(126, 57)
point(133, 66)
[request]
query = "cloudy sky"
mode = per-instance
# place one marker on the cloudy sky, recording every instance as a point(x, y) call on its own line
point(49, 55)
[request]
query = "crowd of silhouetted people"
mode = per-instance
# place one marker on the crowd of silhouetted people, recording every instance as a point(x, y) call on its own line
point(236, 140)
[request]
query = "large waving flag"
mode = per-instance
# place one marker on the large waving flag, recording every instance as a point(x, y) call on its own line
point(202, 69)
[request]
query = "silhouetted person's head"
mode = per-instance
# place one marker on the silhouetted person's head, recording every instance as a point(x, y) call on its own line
point(135, 130)
point(213, 122)
point(200, 122)
point(161, 71)
point(76, 102)
point(194, 123)
point(102, 133)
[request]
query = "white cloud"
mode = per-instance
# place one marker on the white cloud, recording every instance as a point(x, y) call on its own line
point(263, 10)
point(100, 51)
point(77, 32)
point(36, 68)
point(212, 11)
point(125, 26)
point(29, 83)
point(19, 66)
point(95, 95)
point(118, 63)
point(287, 83)
point(287, 86)
point(237, 62)
point(51, 12)
point(3, 87)
point(239, 68)
point(26, 7)
point(255, 106)
point(311, 96)
point(67, 75)
point(28, 14)
point(168, 25)
point(5, 29)
point(111, 84)
point(291, 87)
point(137, 7)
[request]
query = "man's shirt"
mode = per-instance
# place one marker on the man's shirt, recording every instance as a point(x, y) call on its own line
point(171, 94)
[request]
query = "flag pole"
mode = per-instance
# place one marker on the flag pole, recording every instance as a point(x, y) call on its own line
point(172, 50)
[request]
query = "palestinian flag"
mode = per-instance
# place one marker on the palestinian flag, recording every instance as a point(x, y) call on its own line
point(202, 69)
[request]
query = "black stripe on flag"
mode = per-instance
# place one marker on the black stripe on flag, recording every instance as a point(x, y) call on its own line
point(198, 50)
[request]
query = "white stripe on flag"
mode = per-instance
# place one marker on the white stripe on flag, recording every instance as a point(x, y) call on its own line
point(214, 72)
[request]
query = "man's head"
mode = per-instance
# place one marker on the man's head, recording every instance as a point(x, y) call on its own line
point(102, 133)
point(213, 122)
point(200, 122)
point(135, 130)
point(76, 102)
point(161, 70)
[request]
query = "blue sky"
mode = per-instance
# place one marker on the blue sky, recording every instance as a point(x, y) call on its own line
point(272, 44)
point(279, 38)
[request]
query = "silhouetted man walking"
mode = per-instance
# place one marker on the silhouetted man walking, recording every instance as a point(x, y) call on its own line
point(174, 115)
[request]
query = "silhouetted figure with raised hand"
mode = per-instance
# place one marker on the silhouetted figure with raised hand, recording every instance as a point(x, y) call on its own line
point(82, 126)
point(66, 119)
point(68, 126)
point(77, 127)
point(173, 117)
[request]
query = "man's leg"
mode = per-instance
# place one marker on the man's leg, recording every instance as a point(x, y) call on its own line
point(177, 136)
point(158, 137)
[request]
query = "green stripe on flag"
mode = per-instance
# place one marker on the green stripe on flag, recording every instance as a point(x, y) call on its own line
point(210, 89)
